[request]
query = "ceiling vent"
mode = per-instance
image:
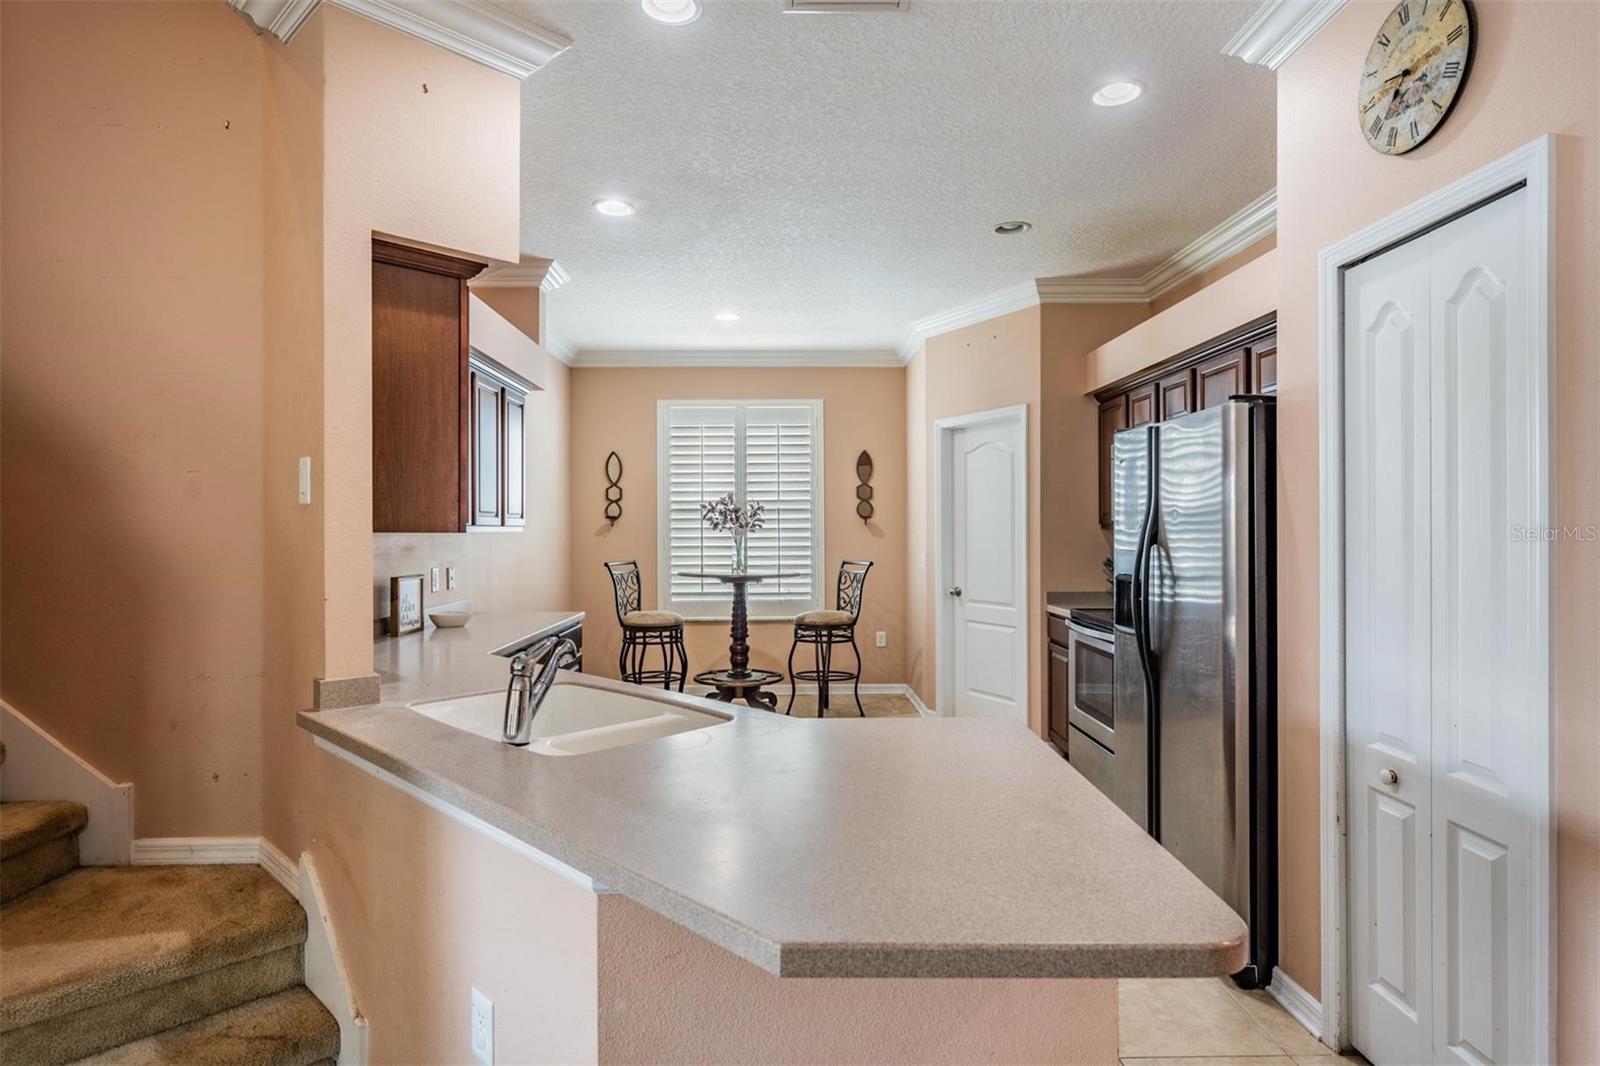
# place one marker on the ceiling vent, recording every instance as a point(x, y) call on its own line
point(841, 7)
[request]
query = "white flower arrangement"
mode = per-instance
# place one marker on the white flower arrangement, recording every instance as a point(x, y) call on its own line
point(724, 515)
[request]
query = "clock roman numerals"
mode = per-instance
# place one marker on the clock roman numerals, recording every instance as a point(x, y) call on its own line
point(1444, 9)
point(1394, 133)
point(1455, 35)
point(1414, 130)
point(1383, 40)
point(1452, 69)
point(1377, 124)
point(1403, 12)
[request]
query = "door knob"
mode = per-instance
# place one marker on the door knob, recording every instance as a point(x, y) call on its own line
point(954, 590)
point(1388, 777)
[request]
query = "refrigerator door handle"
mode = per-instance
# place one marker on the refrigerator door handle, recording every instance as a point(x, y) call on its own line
point(1141, 615)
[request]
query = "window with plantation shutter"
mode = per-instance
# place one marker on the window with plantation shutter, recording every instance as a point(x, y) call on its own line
point(769, 451)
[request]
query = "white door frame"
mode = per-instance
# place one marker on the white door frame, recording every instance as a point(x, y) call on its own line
point(1534, 165)
point(943, 538)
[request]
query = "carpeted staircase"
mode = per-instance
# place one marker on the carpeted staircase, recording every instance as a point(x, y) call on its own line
point(146, 965)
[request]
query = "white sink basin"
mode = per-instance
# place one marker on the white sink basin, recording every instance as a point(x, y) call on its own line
point(574, 719)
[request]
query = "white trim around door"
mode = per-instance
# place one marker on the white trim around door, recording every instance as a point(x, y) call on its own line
point(1531, 167)
point(944, 430)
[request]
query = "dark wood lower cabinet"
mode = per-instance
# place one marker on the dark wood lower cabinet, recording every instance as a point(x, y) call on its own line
point(1058, 692)
point(1241, 362)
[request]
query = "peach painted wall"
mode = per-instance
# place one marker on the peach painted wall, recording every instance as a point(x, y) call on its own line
point(668, 995)
point(1330, 185)
point(133, 369)
point(1243, 294)
point(990, 364)
point(615, 409)
point(1073, 544)
point(1212, 275)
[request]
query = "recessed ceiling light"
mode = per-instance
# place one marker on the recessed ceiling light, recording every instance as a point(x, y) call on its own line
point(614, 208)
point(1006, 229)
point(726, 316)
point(1117, 93)
point(672, 12)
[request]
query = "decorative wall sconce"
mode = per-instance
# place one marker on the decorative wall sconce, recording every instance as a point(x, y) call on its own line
point(864, 490)
point(613, 488)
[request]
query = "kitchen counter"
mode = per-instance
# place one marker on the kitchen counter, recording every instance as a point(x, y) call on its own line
point(846, 847)
point(1059, 603)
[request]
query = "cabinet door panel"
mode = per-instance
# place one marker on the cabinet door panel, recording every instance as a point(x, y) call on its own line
point(1264, 365)
point(1113, 417)
point(515, 435)
point(1059, 694)
point(1176, 393)
point(1222, 376)
point(487, 504)
point(1142, 406)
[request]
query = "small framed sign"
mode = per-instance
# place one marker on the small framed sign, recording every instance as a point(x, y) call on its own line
point(405, 604)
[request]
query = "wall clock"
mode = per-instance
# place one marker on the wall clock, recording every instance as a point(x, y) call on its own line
point(1413, 72)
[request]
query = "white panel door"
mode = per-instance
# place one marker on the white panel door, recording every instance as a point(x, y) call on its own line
point(1441, 670)
point(1387, 589)
point(987, 595)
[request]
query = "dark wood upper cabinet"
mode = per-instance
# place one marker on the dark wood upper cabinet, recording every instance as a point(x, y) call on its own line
point(448, 427)
point(1176, 393)
point(1113, 418)
point(1264, 365)
point(1142, 405)
point(1239, 362)
point(1221, 376)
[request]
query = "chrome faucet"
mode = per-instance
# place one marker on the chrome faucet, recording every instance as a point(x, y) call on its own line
point(529, 685)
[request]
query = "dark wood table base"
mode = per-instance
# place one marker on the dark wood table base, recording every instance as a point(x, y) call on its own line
point(747, 685)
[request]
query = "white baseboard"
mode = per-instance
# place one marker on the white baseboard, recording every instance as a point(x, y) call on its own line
point(325, 972)
point(219, 851)
point(1297, 1001)
point(916, 701)
point(39, 767)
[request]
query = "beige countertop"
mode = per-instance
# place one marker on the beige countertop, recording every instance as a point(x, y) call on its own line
point(846, 847)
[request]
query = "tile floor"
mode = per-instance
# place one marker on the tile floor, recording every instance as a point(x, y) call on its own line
point(842, 705)
point(1211, 1022)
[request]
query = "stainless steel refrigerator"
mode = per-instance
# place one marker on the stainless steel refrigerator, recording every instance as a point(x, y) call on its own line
point(1195, 669)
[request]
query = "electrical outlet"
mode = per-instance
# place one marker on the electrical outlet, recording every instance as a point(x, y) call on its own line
point(449, 577)
point(482, 1028)
point(433, 580)
point(881, 639)
point(304, 479)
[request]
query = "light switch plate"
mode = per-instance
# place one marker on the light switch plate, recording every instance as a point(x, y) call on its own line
point(433, 580)
point(881, 639)
point(305, 479)
point(449, 577)
point(482, 1028)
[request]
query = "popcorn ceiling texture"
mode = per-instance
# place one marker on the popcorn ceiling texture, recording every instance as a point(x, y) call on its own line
point(833, 178)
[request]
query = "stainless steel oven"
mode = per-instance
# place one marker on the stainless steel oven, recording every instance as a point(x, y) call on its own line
point(1092, 684)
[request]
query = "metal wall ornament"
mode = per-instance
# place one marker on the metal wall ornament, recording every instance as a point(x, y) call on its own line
point(613, 488)
point(864, 490)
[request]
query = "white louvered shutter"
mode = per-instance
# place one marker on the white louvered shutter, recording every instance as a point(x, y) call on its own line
point(769, 452)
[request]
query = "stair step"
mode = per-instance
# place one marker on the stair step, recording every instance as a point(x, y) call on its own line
point(26, 824)
point(96, 942)
point(287, 1029)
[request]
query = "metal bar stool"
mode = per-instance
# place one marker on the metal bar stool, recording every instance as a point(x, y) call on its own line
point(822, 630)
point(643, 630)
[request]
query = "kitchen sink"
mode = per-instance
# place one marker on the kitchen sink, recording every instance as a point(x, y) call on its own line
point(575, 718)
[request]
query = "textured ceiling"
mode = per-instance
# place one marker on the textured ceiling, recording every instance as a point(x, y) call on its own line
point(834, 177)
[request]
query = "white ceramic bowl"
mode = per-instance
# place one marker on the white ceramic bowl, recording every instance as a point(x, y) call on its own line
point(449, 619)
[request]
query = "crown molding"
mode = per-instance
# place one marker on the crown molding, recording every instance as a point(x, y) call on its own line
point(1278, 28)
point(529, 272)
point(471, 28)
point(558, 348)
point(742, 358)
point(1016, 298)
point(1257, 219)
point(281, 18)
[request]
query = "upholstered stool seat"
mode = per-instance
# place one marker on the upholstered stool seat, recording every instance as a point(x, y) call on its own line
point(643, 630)
point(824, 618)
point(650, 619)
point(822, 630)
